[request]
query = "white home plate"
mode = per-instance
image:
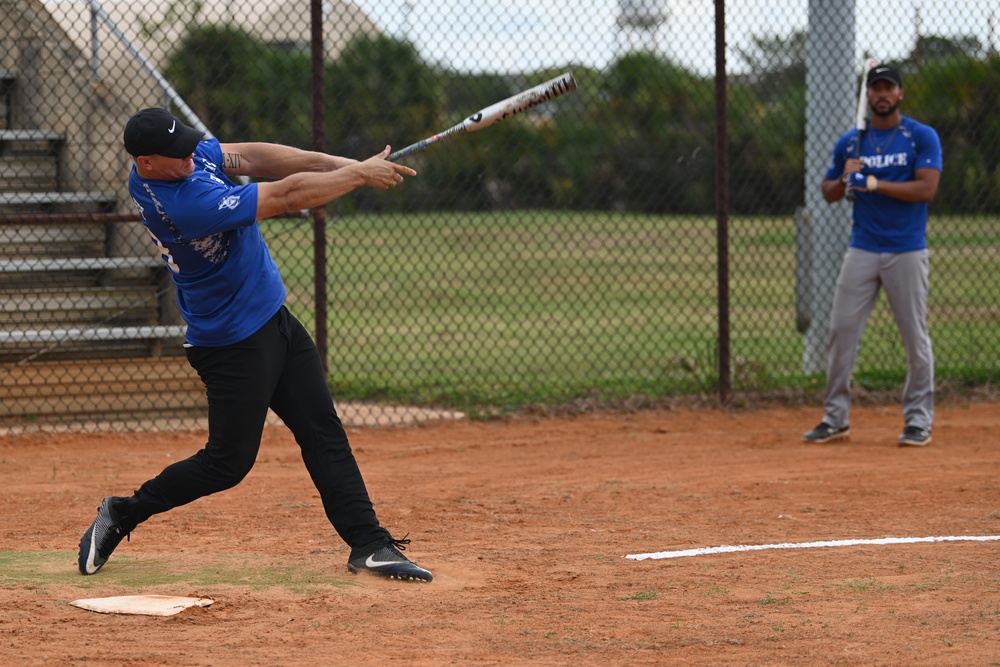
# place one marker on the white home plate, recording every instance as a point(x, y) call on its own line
point(148, 605)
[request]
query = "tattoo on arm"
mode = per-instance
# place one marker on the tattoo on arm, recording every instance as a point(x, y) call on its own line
point(231, 161)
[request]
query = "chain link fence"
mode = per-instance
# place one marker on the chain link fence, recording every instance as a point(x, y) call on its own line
point(575, 255)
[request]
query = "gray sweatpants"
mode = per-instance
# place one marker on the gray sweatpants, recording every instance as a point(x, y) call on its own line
point(905, 278)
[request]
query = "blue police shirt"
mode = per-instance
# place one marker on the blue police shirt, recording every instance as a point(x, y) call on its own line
point(206, 230)
point(883, 223)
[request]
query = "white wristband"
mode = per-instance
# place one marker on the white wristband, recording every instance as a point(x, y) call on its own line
point(871, 184)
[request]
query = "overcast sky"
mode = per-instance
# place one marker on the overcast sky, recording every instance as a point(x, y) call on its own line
point(524, 35)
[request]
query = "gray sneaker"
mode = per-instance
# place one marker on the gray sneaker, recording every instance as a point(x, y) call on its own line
point(108, 530)
point(914, 436)
point(384, 558)
point(826, 433)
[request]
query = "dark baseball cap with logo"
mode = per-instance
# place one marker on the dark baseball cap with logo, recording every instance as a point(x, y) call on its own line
point(157, 132)
point(884, 72)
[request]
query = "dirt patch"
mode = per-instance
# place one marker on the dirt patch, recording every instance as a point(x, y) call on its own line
point(526, 525)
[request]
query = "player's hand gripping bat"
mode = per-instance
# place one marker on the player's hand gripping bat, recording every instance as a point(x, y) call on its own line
point(498, 112)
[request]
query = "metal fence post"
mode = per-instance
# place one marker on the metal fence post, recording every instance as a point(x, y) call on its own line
point(830, 105)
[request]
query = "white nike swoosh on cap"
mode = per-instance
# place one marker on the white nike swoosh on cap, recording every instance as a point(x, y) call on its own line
point(172, 127)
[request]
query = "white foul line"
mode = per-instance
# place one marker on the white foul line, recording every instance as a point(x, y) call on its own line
point(725, 549)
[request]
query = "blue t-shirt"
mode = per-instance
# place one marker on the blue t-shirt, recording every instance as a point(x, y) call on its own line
point(206, 229)
point(882, 223)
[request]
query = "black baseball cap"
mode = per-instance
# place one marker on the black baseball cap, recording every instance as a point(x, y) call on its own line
point(884, 72)
point(157, 132)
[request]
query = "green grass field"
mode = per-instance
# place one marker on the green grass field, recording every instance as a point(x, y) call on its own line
point(502, 310)
point(40, 569)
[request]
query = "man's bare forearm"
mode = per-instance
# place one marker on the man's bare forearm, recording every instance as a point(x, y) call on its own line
point(307, 190)
point(303, 191)
point(263, 160)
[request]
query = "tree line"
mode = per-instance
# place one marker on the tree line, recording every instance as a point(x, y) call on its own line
point(637, 136)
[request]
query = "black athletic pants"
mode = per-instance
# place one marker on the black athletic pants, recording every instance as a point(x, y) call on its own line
point(277, 367)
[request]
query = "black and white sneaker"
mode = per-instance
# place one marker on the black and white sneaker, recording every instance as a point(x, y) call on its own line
point(914, 436)
point(385, 559)
point(826, 433)
point(108, 530)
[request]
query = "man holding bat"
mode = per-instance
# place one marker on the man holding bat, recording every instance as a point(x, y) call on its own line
point(248, 349)
point(893, 179)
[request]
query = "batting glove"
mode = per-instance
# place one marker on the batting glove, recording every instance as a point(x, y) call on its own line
point(859, 182)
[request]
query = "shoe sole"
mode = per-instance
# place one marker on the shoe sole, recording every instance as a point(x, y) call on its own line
point(397, 576)
point(393, 577)
point(914, 443)
point(836, 436)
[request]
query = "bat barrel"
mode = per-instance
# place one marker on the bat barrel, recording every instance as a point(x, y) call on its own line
point(523, 101)
point(495, 113)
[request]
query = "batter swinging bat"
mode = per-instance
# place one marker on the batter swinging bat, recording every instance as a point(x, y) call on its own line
point(861, 119)
point(562, 84)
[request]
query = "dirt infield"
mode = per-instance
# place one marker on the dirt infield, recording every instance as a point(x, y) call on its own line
point(526, 525)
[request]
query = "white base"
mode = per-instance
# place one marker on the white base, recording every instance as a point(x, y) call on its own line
point(148, 605)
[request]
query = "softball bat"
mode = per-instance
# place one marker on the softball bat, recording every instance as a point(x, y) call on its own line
point(496, 113)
